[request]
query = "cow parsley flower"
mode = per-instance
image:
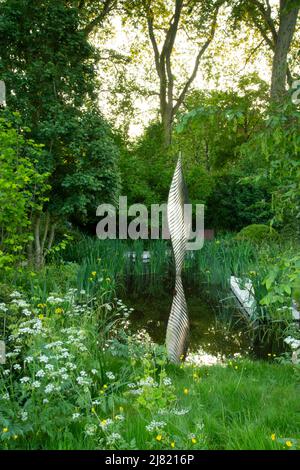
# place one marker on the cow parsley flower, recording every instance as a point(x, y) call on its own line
point(24, 380)
point(110, 376)
point(155, 426)
point(36, 384)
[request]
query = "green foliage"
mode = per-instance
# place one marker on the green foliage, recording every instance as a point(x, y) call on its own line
point(60, 390)
point(89, 174)
point(233, 204)
point(274, 157)
point(282, 280)
point(210, 136)
point(257, 233)
point(218, 123)
point(49, 68)
point(22, 188)
point(147, 170)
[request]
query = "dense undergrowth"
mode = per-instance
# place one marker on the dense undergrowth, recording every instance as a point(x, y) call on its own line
point(76, 377)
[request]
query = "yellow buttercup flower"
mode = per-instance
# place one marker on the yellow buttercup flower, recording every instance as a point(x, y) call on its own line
point(195, 375)
point(104, 386)
point(15, 437)
point(194, 440)
point(288, 443)
point(159, 437)
point(5, 430)
point(41, 305)
point(93, 273)
point(58, 310)
point(273, 436)
point(41, 316)
point(173, 444)
point(186, 391)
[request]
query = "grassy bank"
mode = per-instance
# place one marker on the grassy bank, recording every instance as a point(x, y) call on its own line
point(76, 378)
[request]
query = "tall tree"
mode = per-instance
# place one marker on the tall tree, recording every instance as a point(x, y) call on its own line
point(288, 14)
point(163, 21)
point(277, 27)
point(49, 68)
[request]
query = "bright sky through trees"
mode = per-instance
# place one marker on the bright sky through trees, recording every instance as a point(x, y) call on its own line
point(226, 60)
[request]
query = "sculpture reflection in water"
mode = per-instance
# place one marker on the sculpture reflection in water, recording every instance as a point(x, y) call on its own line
point(179, 228)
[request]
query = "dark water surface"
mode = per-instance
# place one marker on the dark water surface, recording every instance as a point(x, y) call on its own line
point(211, 338)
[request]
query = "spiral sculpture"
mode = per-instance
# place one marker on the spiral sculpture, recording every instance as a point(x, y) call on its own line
point(178, 324)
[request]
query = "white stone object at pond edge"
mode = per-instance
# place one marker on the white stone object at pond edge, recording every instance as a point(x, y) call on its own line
point(246, 297)
point(145, 255)
point(244, 294)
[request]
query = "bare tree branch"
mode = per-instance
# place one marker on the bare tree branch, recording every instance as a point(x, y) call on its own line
point(108, 6)
point(197, 61)
point(266, 14)
point(154, 43)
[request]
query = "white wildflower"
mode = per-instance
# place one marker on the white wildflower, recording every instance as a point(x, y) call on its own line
point(44, 358)
point(110, 375)
point(40, 373)
point(155, 426)
point(28, 359)
point(167, 381)
point(49, 388)
point(181, 412)
point(119, 417)
point(23, 380)
point(36, 384)
point(24, 415)
point(15, 294)
point(105, 423)
point(90, 429)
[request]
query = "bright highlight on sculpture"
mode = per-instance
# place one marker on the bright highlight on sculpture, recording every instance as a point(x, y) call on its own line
point(178, 324)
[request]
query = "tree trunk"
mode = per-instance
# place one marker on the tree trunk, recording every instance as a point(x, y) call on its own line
point(42, 241)
point(288, 19)
point(167, 120)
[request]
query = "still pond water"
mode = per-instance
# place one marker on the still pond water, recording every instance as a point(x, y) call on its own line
point(211, 339)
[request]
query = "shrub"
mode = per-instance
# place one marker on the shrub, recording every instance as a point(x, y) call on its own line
point(257, 233)
point(233, 205)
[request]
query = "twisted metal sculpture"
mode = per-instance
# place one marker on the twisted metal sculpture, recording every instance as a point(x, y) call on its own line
point(178, 324)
